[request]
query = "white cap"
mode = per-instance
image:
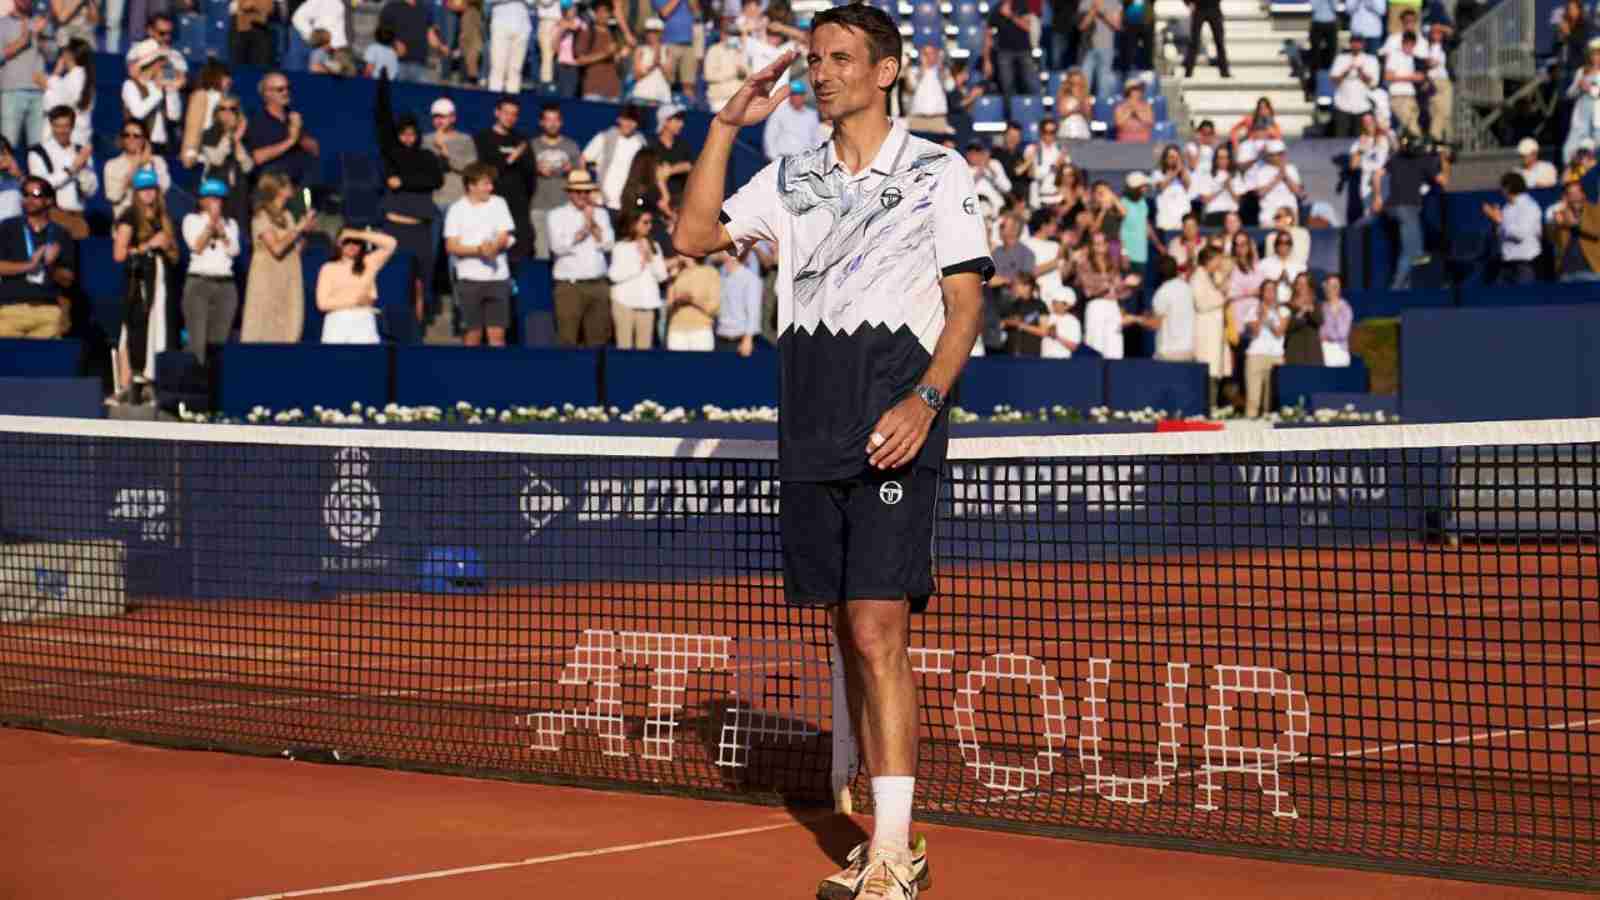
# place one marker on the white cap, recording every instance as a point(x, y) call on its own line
point(1527, 146)
point(1137, 180)
point(442, 107)
point(1586, 144)
point(654, 24)
point(664, 114)
point(1276, 146)
point(144, 51)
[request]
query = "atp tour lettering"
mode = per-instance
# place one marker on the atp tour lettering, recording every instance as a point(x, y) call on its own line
point(598, 659)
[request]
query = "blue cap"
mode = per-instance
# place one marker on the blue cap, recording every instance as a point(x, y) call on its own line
point(145, 178)
point(797, 86)
point(213, 187)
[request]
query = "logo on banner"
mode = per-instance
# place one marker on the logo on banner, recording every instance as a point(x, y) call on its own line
point(539, 503)
point(890, 492)
point(145, 506)
point(353, 509)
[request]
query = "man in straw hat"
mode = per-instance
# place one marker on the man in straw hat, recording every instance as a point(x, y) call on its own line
point(580, 238)
point(879, 304)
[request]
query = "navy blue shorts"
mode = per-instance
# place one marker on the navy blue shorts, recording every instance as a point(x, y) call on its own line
point(863, 538)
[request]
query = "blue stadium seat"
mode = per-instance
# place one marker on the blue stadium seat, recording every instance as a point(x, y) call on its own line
point(888, 6)
point(969, 41)
point(1030, 132)
point(1158, 106)
point(1026, 110)
point(190, 37)
point(1324, 88)
point(1104, 115)
point(925, 15)
point(1164, 132)
point(927, 36)
point(1052, 83)
point(966, 13)
point(989, 113)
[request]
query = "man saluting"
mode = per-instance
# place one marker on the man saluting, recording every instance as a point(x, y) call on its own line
point(882, 258)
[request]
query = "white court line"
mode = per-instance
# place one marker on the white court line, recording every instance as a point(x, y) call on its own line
point(1571, 725)
point(522, 863)
point(289, 701)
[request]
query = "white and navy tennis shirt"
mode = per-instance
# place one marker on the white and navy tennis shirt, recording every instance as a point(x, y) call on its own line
point(860, 258)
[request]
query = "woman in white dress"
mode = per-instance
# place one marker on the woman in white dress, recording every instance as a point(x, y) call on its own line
point(1210, 333)
point(1280, 265)
point(145, 242)
point(347, 287)
point(1173, 186)
point(638, 269)
point(649, 59)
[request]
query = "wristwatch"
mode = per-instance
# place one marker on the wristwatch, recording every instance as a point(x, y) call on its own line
point(930, 395)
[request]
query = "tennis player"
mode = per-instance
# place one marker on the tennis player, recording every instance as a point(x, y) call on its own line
point(881, 260)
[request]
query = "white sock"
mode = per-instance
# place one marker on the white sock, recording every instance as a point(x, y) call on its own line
point(891, 811)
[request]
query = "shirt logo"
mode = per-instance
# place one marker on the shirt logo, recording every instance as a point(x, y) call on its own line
point(891, 197)
point(890, 492)
point(970, 206)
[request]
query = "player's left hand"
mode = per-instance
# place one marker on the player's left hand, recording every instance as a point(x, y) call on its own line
point(899, 434)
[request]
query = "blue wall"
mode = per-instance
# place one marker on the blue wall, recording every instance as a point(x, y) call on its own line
point(1481, 364)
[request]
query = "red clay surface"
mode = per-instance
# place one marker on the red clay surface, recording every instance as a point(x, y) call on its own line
point(87, 818)
point(1453, 694)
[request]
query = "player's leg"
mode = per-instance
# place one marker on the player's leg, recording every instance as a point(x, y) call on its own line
point(873, 639)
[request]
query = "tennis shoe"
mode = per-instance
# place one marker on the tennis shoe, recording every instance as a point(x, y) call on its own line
point(888, 876)
point(846, 883)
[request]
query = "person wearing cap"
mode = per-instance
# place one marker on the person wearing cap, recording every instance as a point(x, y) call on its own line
point(1136, 232)
point(136, 156)
point(611, 154)
point(793, 127)
point(1581, 162)
point(347, 287)
point(38, 260)
point(1209, 14)
point(455, 149)
point(501, 145)
point(555, 156)
point(68, 167)
point(1135, 119)
point(1403, 72)
point(478, 230)
point(1535, 172)
point(144, 240)
point(1099, 22)
point(414, 28)
point(580, 237)
point(210, 299)
point(1406, 176)
point(650, 82)
point(1276, 182)
point(1354, 75)
point(673, 156)
point(1518, 224)
point(882, 259)
point(150, 95)
point(725, 68)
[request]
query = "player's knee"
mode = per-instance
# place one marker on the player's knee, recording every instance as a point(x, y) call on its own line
point(875, 633)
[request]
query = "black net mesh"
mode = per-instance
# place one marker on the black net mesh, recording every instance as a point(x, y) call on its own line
point(1316, 646)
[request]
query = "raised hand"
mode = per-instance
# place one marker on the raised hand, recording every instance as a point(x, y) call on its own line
point(755, 99)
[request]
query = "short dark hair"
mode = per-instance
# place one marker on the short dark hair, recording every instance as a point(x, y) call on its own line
point(507, 100)
point(549, 107)
point(632, 113)
point(62, 111)
point(384, 35)
point(1513, 183)
point(47, 187)
point(1167, 268)
point(882, 34)
point(1207, 254)
point(159, 17)
point(1041, 219)
point(478, 171)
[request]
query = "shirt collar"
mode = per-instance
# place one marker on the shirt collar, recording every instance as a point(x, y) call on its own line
point(884, 163)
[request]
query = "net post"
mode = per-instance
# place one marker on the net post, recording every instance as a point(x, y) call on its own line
point(843, 767)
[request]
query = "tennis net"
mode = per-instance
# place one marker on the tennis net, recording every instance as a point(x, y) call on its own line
point(1373, 646)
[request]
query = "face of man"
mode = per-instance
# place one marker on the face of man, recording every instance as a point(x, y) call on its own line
point(35, 199)
point(161, 30)
point(580, 199)
point(843, 74)
point(626, 126)
point(275, 91)
point(444, 122)
point(480, 190)
point(1009, 231)
point(550, 122)
point(798, 100)
point(672, 127)
point(61, 130)
point(505, 116)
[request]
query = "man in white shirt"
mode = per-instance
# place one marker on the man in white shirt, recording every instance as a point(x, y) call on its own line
point(1518, 223)
point(793, 127)
point(210, 298)
point(326, 15)
point(1202, 148)
point(1171, 315)
point(67, 167)
point(477, 230)
point(580, 237)
point(1277, 182)
point(925, 92)
point(1044, 241)
point(1354, 74)
point(611, 153)
point(990, 178)
point(1403, 72)
point(1535, 172)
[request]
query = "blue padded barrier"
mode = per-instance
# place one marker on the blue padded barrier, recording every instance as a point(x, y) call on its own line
point(286, 376)
point(24, 358)
point(1481, 364)
point(1534, 294)
point(720, 378)
point(1030, 384)
point(78, 398)
point(1382, 303)
point(1296, 385)
point(1165, 386)
point(498, 377)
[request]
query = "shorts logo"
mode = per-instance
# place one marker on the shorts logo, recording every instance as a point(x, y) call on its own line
point(891, 197)
point(970, 206)
point(890, 492)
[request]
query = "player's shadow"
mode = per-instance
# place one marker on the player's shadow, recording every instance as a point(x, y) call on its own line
point(787, 760)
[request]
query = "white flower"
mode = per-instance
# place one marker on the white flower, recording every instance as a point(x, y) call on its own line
point(381, 419)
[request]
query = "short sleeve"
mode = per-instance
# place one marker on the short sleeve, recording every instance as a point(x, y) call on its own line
point(752, 213)
point(193, 224)
point(960, 243)
point(452, 220)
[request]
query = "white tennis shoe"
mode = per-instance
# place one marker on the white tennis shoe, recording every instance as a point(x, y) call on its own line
point(847, 883)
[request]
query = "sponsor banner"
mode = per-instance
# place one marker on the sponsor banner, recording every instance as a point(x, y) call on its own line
point(53, 579)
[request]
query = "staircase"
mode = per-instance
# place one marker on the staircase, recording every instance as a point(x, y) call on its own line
point(1256, 62)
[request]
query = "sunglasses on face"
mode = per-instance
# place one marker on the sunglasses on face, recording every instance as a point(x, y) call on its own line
point(36, 193)
point(161, 34)
point(132, 136)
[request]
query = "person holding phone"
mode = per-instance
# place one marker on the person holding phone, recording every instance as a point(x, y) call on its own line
point(150, 95)
point(274, 302)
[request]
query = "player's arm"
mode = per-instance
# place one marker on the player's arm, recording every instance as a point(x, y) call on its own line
point(699, 230)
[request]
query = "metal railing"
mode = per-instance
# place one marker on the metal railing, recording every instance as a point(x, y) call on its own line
point(1497, 48)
